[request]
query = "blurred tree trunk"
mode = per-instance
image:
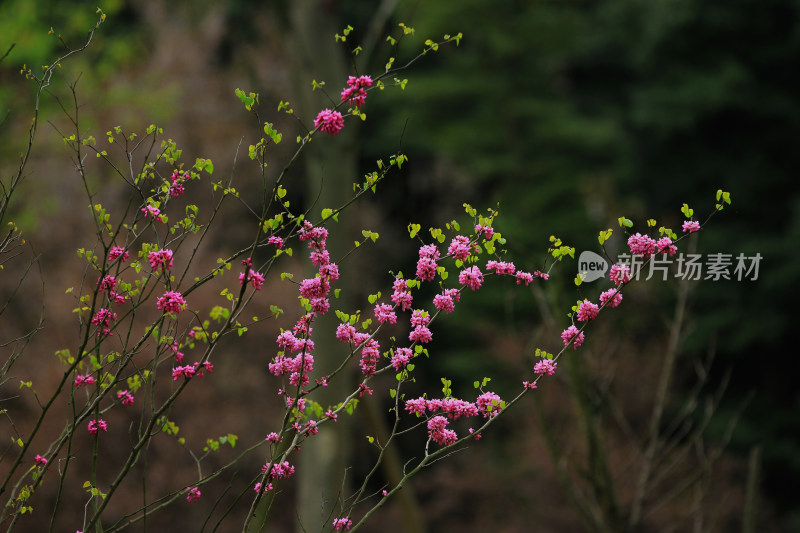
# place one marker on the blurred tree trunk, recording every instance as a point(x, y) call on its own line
point(330, 166)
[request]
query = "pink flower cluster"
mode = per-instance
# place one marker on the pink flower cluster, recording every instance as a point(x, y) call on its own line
point(171, 302)
point(546, 367)
point(587, 311)
point(501, 267)
point(255, 278)
point(385, 313)
point(125, 396)
point(620, 274)
point(426, 265)
point(572, 333)
point(356, 90)
point(438, 432)
point(189, 371)
point(487, 231)
point(665, 245)
point(277, 241)
point(317, 289)
point(691, 226)
point(452, 407)
point(153, 211)
point(177, 188)
point(401, 357)
point(95, 425)
point(82, 381)
point(40, 460)
point(104, 320)
point(109, 284)
point(116, 252)
point(612, 296)
point(401, 295)
point(162, 259)
point(278, 470)
point(459, 247)
point(446, 300)
point(193, 494)
point(296, 341)
point(342, 524)
point(489, 404)
point(330, 122)
point(642, 245)
point(472, 277)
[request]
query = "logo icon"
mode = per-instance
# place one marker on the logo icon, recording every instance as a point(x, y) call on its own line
point(591, 266)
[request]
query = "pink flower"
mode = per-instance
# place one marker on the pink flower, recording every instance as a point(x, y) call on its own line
point(342, 524)
point(401, 358)
point(177, 188)
point(587, 311)
point(82, 381)
point(417, 406)
point(620, 274)
point(421, 334)
point(331, 122)
point(420, 318)
point(272, 437)
point(356, 91)
point(171, 302)
point(153, 211)
point(315, 287)
point(345, 333)
point(489, 404)
point(278, 470)
point(691, 226)
point(438, 433)
point(538, 274)
point(614, 295)
point(40, 460)
point(501, 267)
point(664, 245)
point(444, 302)
point(329, 271)
point(426, 269)
point(126, 397)
point(255, 278)
point(104, 320)
point(161, 259)
point(526, 277)
point(459, 247)
point(117, 251)
point(385, 313)
point(95, 425)
point(471, 277)
point(370, 355)
point(193, 494)
point(108, 284)
point(486, 230)
point(642, 245)
point(572, 332)
point(545, 367)
point(277, 241)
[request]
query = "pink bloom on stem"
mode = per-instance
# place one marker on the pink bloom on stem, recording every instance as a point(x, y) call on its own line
point(459, 247)
point(126, 397)
point(587, 311)
point(539, 274)
point(342, 524)
point(95, 425)
point(691, 226)
point(526, 277)
point(545, 367)
point(642, 245)
point(330, 271)
point(487, 231)
point(620, 274)
point(82, 381)
point(331, 122)
point(356, 90)
point(613, 296)
point(385, 313)
point(277, 241)
point(471, 277)
point(421, 334)
point(116, 252)
point(420, 318)
point(417, 406)
point(272, 437)
point(153, 211)
point(193, 494)
point(401, 358)
point(664, 245)
point(489, 403)
point(345, 333)
point(444, 302)
point(572, 332)
point(40, 460)
point(161, 259)
point(104, 320)
point(501, 267)
point(171, 302)
point(108, 284)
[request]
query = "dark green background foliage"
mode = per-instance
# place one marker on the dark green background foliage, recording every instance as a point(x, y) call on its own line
point(567, 113)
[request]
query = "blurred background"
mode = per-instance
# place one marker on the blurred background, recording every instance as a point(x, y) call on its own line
point(680, 411)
